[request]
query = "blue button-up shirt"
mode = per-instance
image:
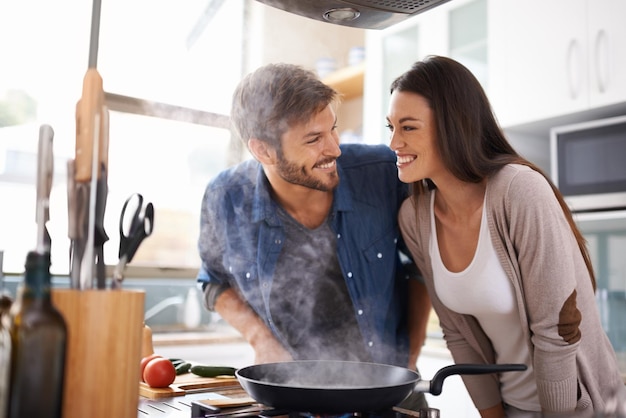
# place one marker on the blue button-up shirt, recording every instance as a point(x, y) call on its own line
point(241, 238)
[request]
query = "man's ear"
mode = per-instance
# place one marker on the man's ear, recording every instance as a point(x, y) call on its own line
point(262, 151)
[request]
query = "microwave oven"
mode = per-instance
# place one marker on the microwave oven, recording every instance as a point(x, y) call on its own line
point(588, 163)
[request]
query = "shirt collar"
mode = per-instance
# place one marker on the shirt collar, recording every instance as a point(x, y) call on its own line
point(342, 199)
point(264, 206)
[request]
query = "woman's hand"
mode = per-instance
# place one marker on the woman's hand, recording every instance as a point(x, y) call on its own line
point(496, 411)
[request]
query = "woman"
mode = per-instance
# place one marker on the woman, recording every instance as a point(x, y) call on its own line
point(507, 270)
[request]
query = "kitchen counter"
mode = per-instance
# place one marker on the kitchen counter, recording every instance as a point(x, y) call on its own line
point(218, 335)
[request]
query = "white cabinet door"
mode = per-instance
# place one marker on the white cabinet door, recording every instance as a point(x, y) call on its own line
point(546, 55)
point(607, 63)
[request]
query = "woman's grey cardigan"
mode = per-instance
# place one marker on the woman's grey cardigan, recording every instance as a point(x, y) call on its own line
point(573, 359)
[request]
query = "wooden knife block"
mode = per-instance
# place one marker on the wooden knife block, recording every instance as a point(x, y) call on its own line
point(103, 351)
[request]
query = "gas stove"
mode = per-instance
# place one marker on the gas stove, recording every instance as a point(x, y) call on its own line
point(198, 406)
point(202, 410)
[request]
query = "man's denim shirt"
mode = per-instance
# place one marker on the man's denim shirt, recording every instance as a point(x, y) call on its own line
point(241, 239)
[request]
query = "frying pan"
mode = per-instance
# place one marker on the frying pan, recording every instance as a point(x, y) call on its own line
point(329, 386)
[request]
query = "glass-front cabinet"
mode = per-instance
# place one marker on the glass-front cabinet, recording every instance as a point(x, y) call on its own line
point(458, 29)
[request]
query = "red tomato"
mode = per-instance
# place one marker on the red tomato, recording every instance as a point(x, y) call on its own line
point(159, 373)
point(145, 361)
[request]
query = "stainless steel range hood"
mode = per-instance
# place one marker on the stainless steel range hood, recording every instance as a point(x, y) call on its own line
point(365, 14)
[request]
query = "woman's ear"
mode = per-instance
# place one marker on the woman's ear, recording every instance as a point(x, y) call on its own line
point(262, 151)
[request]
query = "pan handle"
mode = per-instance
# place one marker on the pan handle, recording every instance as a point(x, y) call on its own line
point(436, 384)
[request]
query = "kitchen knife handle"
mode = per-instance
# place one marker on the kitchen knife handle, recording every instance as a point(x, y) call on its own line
point(45, 168)
point(90, 104)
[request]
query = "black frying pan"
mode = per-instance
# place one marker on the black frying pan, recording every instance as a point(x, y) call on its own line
point(326, 386)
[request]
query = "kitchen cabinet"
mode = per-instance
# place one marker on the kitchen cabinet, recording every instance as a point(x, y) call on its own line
point(562, 56)
point(607, 34)
point(348, 81)
point(538, 61)
point(460, 29)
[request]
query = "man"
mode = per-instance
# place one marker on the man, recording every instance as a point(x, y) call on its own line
point(300, 246)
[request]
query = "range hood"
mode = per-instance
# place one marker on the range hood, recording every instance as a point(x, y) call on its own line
point(364, 14)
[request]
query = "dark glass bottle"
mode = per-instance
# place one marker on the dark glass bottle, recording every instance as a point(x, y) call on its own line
point(5, 349)
point(38, 336)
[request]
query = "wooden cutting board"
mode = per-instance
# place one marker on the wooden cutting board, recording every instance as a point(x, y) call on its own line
point(188, 382)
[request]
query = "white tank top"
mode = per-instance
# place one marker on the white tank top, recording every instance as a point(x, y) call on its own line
point(484, 291)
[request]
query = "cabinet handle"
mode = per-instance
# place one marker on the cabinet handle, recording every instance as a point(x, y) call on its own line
point(602, 60)
point(572, 68)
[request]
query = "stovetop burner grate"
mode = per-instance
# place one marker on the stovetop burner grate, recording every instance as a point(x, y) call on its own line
point(199, 410)
point(192, 406)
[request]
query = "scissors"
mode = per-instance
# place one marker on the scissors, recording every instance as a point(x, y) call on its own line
point(133, 230)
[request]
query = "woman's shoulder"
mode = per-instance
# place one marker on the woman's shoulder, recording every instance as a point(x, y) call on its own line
point(414, 211)
point(517, 189)
point(407, 209)
point(518, 178)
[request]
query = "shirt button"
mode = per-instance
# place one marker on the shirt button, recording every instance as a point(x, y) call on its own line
point(277, 242)
point(265, 285)
point(338, 236)
point(349, 274)
point(230, 269)
point(247, 275)
point(371, 343)
point(395, 240)
point(379, 255)
point(360, 311)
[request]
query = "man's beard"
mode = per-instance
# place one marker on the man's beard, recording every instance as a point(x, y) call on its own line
point(295, 174)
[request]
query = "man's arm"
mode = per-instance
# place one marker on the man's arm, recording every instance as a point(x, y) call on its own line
point(419, 312)
point(240, 316)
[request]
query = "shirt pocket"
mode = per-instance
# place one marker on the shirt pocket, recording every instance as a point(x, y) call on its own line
point(381, 254)
point(243, 271)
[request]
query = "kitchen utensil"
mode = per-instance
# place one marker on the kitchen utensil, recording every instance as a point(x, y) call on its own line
point(87, 195)
point(45, 170)
point(326, 386)
point(101, 236)
point(133, 230)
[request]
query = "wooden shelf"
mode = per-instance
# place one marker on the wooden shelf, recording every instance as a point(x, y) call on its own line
point(348, 81)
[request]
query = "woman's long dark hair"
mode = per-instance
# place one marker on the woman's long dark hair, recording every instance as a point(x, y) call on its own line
point(470, 141)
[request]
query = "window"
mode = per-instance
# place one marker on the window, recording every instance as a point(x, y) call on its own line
point(168, 68)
